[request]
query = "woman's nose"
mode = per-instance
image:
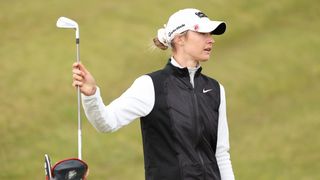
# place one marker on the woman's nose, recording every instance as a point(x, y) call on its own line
point(210, 40)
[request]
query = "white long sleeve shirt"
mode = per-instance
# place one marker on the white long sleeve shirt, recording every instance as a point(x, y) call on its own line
point(138, 101)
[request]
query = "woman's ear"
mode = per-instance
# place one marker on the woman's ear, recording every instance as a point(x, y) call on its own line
point(179, 40)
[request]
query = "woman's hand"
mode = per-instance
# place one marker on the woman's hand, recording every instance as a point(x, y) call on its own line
point(82, 78)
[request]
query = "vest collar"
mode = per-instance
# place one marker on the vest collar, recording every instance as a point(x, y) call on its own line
point(174, 67)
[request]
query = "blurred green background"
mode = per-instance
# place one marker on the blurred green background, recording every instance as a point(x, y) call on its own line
point(268, 61)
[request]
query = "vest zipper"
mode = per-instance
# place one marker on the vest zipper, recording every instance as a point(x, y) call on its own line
point(197, 119)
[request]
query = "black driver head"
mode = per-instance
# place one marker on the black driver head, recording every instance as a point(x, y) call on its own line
point(70, 169)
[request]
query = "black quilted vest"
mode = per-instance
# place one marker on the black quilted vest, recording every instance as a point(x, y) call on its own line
point(180, 133)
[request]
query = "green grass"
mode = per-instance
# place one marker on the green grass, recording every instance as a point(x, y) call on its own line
point(268, 61)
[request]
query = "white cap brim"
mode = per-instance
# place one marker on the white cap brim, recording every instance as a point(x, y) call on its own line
point(213, 27)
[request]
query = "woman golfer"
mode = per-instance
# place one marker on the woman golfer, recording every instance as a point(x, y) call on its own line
point(183, 112)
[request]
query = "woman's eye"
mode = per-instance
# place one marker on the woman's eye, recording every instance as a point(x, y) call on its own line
point(204, 34)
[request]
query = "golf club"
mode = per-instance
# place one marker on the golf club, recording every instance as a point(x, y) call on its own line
point(47, 167)
point(70, 168)
point(67, 23)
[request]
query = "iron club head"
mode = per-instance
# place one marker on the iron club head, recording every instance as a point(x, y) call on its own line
point(64, 22)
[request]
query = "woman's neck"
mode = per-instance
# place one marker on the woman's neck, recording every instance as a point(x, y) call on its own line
point(185, 61)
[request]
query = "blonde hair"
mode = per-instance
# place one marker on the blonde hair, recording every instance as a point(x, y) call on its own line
point(162, 46)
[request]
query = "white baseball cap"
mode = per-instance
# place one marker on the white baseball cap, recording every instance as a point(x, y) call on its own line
point(189, 19)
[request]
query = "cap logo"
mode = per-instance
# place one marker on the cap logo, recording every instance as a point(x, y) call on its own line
point(200, 14)
point(177, 28)
point(196, 27)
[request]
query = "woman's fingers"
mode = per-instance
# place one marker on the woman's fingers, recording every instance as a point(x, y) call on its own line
point(77, 83)
point(77, 77)
point(78, 72)
point(83, 79)
point(75, 65)
point(80, 66)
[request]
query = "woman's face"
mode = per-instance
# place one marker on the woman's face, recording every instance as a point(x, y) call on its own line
point(197, 46)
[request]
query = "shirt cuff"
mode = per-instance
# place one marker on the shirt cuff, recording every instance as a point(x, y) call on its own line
point(95, 95)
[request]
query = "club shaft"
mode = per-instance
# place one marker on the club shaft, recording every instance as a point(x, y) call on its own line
point(79, 108)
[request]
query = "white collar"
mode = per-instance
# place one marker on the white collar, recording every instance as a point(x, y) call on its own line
point(176, 64)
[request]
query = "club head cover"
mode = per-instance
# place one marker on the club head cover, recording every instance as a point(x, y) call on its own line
point(70, 169)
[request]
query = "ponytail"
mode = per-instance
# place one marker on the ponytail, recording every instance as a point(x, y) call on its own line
point(159, 44)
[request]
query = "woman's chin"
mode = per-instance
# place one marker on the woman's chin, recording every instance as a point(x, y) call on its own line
point(204, 58)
